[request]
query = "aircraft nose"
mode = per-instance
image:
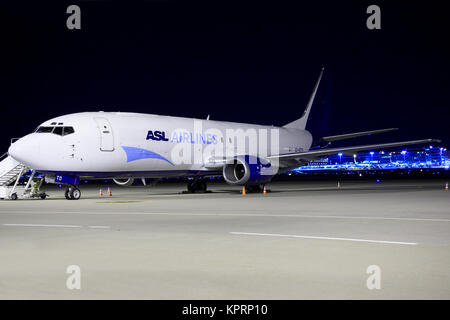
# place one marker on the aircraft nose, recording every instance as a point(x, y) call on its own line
point(24, 150)
point(12, 151)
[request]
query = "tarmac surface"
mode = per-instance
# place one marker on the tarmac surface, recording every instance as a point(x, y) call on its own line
point(303, 240)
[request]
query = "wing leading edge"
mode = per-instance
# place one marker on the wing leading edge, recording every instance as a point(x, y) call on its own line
point(356, 134)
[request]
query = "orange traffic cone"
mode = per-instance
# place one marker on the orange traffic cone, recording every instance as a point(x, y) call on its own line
point(109, 192)
point(264, 190)
point(446, 186)
point(243, 191)
point(339, 185)
point(100, 193)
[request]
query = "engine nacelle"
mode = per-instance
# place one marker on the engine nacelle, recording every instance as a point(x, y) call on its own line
point(248, 170)
point(124, 182)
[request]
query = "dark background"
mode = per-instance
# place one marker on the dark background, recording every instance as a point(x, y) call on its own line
point(253, 62)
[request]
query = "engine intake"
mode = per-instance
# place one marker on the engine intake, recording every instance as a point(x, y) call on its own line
point(124, 182)
point(248, 170)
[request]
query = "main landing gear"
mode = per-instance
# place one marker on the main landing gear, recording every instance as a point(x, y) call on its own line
point(254, 188)
point(72, 193)
point(196, 186)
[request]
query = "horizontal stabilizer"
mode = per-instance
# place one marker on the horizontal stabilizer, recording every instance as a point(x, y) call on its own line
point(356, 134)
point(323, 152)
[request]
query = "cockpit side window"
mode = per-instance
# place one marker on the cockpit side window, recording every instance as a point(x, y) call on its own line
point(68, 130)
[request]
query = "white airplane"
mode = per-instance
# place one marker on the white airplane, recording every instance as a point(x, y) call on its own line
point(126, 146)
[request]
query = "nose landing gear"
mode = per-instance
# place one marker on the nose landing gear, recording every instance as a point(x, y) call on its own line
point(72, 193)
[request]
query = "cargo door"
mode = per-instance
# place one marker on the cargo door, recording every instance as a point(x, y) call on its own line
point(106, 134)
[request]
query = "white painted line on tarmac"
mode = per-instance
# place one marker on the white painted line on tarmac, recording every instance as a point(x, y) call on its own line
point(52, 225)
point(270, 215)
point(40, 225)
point(367, 218)
point(321, 238)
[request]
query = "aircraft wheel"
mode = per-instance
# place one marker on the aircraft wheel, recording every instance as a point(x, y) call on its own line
point(196, 186)
point(201, 186)
point(75, 194)
point(191, 186)
point(67, 194)
point(14, 196)
point(43, 196)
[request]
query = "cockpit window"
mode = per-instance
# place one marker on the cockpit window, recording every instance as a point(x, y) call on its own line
point(44, 130)
point(60, 131)
point(68, 130)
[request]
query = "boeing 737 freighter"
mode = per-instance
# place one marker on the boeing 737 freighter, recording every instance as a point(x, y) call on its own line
point(128, 146)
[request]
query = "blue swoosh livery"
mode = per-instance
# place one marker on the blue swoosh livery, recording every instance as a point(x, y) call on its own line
point(134, 154)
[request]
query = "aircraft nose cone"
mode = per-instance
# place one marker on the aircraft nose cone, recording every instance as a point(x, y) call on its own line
point(23, 150)
point(12, 151)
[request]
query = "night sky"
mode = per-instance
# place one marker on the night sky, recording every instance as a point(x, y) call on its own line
point(253, 63)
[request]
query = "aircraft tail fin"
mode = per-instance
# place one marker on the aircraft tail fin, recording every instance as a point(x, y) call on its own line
point(301, 122)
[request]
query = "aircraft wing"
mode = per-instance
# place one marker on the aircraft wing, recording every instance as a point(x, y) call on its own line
point(356, 134)
point(323, 152)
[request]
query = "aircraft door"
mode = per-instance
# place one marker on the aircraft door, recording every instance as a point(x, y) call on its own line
point(106, 134)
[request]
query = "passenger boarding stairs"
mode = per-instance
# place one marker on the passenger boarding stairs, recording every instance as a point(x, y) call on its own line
point(9, 170)
point(10, 173)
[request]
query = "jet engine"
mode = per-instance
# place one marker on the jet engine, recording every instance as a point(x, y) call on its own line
point(249, 170)
point(125, 182)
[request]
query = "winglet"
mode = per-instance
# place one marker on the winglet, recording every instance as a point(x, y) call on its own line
point(301, 122)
